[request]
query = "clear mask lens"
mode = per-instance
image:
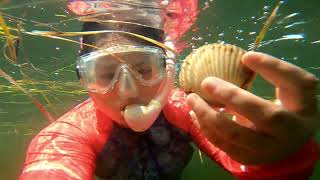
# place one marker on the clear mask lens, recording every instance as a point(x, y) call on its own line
point(100, 70)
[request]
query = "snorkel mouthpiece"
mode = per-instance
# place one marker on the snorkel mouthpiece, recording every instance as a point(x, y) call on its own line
point(140, 118)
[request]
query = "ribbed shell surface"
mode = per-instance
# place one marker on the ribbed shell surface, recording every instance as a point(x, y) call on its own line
point(219, 60)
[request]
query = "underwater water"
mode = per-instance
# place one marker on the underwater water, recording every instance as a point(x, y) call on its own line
point(294, 37)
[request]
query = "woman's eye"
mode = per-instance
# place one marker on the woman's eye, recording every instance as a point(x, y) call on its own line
point(104, 79)
point(145, 71)
point(107, 76)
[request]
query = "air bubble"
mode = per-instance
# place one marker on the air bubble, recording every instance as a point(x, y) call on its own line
point(239, 31)
point(266, 8)
point(165, 3)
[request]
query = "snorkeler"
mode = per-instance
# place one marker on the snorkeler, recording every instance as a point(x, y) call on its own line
point(137, 126)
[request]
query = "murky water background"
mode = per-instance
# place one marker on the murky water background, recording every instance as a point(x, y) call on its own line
point(294, 37)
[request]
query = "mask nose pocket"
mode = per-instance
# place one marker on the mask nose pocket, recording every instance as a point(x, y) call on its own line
point(127, 87)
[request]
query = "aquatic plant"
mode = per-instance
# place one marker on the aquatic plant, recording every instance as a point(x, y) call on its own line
point(9, 39)
point(266, 26)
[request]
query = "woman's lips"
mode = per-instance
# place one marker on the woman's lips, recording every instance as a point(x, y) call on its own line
point(123, 107)
point(125, 104)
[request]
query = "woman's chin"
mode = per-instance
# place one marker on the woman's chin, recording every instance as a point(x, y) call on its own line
point(119, 119)
point(116, 117)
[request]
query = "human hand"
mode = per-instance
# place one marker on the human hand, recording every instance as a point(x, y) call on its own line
point(263, 132)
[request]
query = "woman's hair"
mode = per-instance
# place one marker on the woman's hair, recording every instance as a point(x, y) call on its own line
point(105, 40)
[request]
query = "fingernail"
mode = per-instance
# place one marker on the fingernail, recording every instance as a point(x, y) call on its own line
point(191, 98)
point(251, 57)
point(194, 119)
point(209, 84)
point(251, 54)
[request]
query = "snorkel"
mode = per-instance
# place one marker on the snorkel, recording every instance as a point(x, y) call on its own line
point(139, 117)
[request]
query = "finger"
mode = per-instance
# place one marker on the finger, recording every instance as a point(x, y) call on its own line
point(290, 80)
point(237, 100)
point(241, 144)
point(303, 103)
point(222, 131)
point(279, 73)
point(268, 117)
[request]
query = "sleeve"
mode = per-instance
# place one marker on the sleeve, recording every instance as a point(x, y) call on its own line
point(296, 167)
point(65, 150)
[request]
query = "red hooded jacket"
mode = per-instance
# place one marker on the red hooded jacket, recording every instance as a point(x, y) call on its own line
point(68, 148)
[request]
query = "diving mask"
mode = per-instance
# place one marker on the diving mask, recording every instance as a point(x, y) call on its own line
point(100, 70)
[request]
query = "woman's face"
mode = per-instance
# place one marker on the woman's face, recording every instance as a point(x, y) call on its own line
point(126, 90)
point(113, 103)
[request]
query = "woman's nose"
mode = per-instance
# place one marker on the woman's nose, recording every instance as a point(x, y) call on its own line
point(127, 87)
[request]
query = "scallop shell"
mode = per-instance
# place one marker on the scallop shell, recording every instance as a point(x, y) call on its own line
point(219, 60)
